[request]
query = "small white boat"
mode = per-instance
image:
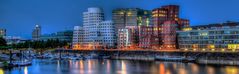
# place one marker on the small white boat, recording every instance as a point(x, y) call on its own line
point(21, 63)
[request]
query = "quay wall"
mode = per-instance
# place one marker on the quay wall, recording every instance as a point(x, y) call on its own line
point(227, 58)
point(153, 54)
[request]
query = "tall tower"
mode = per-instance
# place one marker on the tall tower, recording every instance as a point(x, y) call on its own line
point(3, 32)
point(91, 21)
point(36, 33)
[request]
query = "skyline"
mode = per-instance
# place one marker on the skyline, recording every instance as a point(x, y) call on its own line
point(66, 14)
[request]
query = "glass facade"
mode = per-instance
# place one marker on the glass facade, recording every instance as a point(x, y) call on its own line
point(215, 38)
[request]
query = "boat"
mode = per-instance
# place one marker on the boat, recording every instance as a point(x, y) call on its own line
point(190, 59)
point(21, 63)
point(167, 58)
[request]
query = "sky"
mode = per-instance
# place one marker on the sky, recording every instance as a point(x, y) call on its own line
point(20, 16)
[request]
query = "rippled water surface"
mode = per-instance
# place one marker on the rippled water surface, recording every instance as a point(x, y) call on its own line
point(118, 67)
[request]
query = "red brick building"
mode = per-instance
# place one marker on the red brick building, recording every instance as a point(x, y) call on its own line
point(145, 36)
point(160, 18)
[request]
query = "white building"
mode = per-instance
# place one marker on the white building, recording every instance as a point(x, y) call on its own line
point(91, 20)
point(78, 35)
point(107, 33)
point(14, 39)
point(97, 32)
point(124, 39)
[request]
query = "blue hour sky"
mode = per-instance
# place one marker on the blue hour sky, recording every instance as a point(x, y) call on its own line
point(20, 16)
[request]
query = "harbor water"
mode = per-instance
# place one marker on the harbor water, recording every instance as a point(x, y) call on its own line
point(95, 66)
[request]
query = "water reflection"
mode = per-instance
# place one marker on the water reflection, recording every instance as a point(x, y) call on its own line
point(118, 67)
point(231, 70)
point(25, 70)
point(1, 71)
point(210, 70)
point(195, 68)
point(123, 68)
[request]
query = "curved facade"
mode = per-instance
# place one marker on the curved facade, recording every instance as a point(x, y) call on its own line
point(91, 20)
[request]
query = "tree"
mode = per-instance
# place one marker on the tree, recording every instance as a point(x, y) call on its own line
point(3, 43)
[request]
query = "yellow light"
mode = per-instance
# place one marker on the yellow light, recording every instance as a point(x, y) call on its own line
point(187, 29)
point(194, 49)
point(231, 70)
point(122, 12)
point(1, 71)
point(185, 49)
point(223, 50)
point(233, 50)
point(213, 49)
point(211, 46)
point(203, 49)
point(129, 13)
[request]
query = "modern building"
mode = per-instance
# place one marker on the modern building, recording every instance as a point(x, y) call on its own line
point(145, 37)
point(78, 36)
point(131, 19)
point(14, 39)
point(124, 38)
point(91, 20)
point(213, 37)
point(62, 36)
point(36, 33)
point(98, 33)
point(3, 32)
point(107, 33)
point(160, 17)
point(168, 34)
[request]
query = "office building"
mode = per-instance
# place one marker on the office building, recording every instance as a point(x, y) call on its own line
point(98, 33)
point(36, 33)
point(107, 32)
point(66, 35)
point(131, 19)
point(91, 20)
point(162, 15)
point(212, 37)
point(78, 36)
point(145, 37)
point(124, 40)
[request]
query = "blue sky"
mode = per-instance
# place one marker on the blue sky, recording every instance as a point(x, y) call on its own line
point(20, 16)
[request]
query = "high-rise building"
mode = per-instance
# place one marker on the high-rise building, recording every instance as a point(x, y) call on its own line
point(36, 33)
point(3, 32)
point(131, 19)
point(160, 18)
point(91, 21)
point(78, 36)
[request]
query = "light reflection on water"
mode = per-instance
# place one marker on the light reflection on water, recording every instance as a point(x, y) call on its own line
point(118, 67)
